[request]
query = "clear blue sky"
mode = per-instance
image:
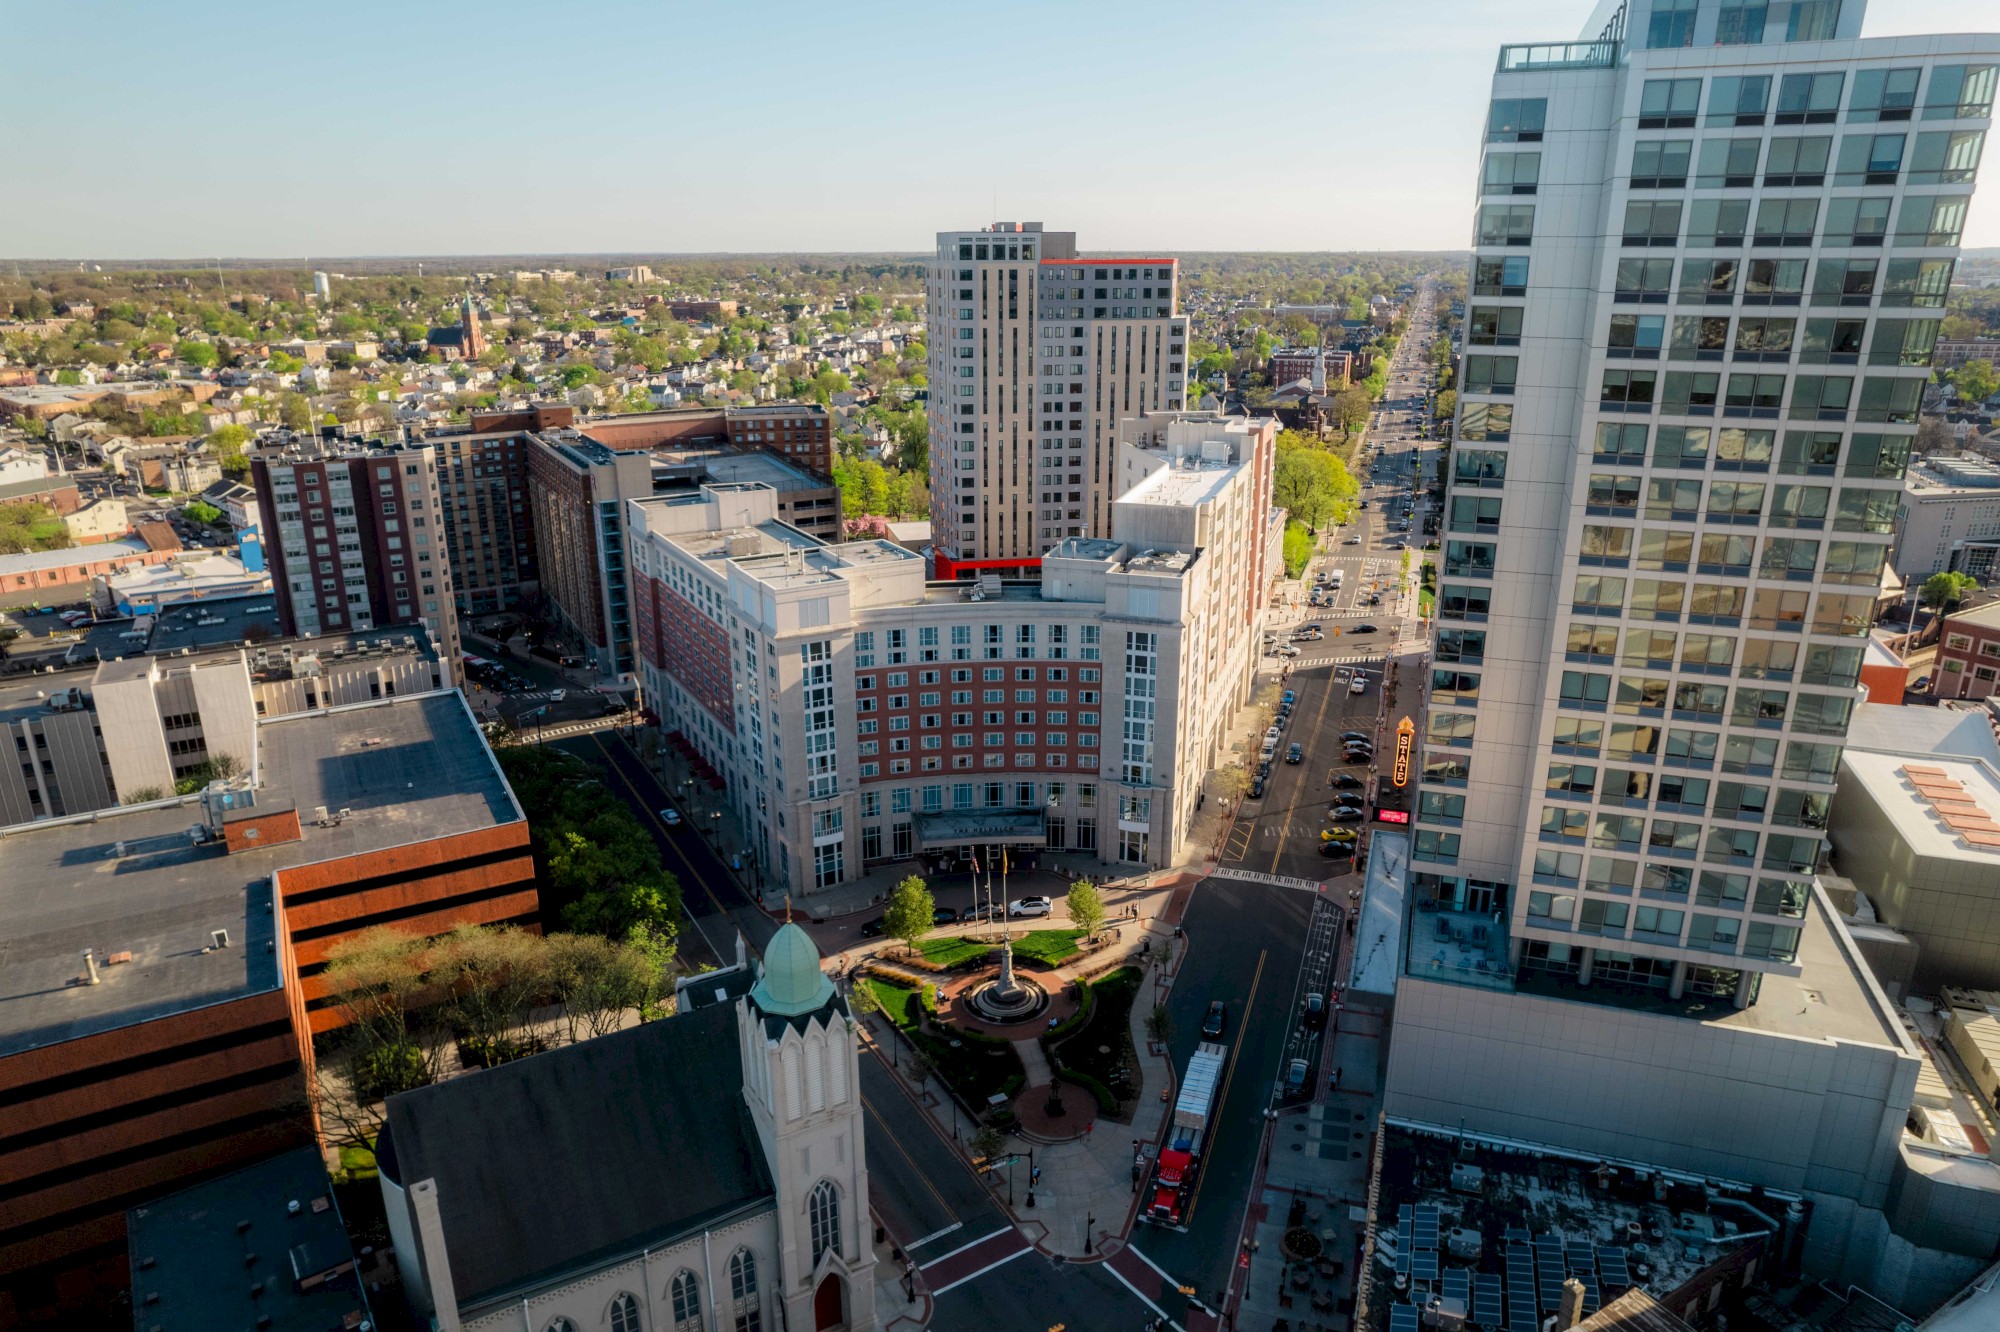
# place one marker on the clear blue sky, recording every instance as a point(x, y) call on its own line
point(143, 129)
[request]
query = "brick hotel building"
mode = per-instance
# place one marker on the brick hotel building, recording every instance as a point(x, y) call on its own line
point(862, 713)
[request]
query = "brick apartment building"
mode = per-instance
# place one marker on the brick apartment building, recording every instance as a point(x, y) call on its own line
point(1288, 365)
point(1951, 353)
point(577, 487)
point(356, 537)
point(579, 479)
point(180, 1047)
point(1968, 654)
point(800, 433)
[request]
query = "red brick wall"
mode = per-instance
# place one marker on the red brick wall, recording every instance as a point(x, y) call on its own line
point(1045, 759)
point(682, 642)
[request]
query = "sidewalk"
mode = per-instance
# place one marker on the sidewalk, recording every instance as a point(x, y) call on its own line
point(1088, 1192)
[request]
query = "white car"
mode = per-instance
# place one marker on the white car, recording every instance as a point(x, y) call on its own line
point(558, 695)
point(671, 817)
point(1030, 906)
point(1285, 650)
point(1359, 685)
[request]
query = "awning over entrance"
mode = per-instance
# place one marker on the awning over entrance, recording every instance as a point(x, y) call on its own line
point(992, 827)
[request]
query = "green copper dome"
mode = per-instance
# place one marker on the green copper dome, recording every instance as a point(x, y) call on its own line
point(792, 982)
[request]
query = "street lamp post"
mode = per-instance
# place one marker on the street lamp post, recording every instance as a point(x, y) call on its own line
point(1089, 1221)
point(715, 829)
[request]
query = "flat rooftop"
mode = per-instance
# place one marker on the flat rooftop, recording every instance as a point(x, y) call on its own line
point(748, 544)
point(1944, 807)
point(217, 622)
point(694, 465)
point(1914, 732)
point(1186, 484)
point(37, 561)
point(410, 769)
point(200, 1269)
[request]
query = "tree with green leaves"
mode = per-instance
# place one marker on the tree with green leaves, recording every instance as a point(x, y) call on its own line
point(1298, 549)
point(1976, 381)
point(1351, 408)
point(1943, 591)
point(229, 444)
point(201, 511)
point(986, 1144)
point(1311, 484)
point(202, 355)
point(1086, 907)
point(911, 912)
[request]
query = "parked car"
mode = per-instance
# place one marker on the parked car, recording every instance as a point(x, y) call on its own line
point(1030, 906)
point(1356, 738)
point(1217, 1020)
point(1296, 754)
point(1338, 835)
point(671, 817)
point(944, 915)
point(1290, 697)
point(1347, 814)
point(1336, 850)
point(1315, 1009)
point(1257, 788)
point(1295, 1076)
point(875, 928)
point(1285, 650)
point(1347, 781)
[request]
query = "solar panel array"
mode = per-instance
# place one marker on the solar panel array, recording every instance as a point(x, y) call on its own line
point(1531, 1284)
point(1404, 1318)
point(1486, 1301)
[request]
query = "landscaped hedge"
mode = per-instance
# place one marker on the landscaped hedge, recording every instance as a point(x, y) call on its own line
point(1106, 1102)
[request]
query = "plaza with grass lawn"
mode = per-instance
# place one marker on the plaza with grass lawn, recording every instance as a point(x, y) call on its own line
point(1041, 948)
point(974, 1065)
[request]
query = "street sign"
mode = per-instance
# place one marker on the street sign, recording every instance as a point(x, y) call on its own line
point(1406, 734)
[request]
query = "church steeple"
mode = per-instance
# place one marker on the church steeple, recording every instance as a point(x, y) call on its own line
point(791, 982)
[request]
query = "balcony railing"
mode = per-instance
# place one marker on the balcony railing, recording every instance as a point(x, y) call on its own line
point(1558, 55)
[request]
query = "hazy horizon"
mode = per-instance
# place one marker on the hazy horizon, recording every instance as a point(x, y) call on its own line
point(637, 129)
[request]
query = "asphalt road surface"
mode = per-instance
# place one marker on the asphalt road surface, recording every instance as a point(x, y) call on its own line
point(1244, 943)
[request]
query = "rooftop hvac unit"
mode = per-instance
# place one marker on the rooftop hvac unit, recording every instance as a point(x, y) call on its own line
point(219, 938)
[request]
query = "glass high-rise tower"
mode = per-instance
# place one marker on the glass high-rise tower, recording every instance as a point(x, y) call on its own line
point(1712, 245)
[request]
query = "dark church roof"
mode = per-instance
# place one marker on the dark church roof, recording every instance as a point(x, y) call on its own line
point(558, 1163)
point(449, 335)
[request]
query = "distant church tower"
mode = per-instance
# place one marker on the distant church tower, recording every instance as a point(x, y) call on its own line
point(802, 1085)
point(469, 316)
